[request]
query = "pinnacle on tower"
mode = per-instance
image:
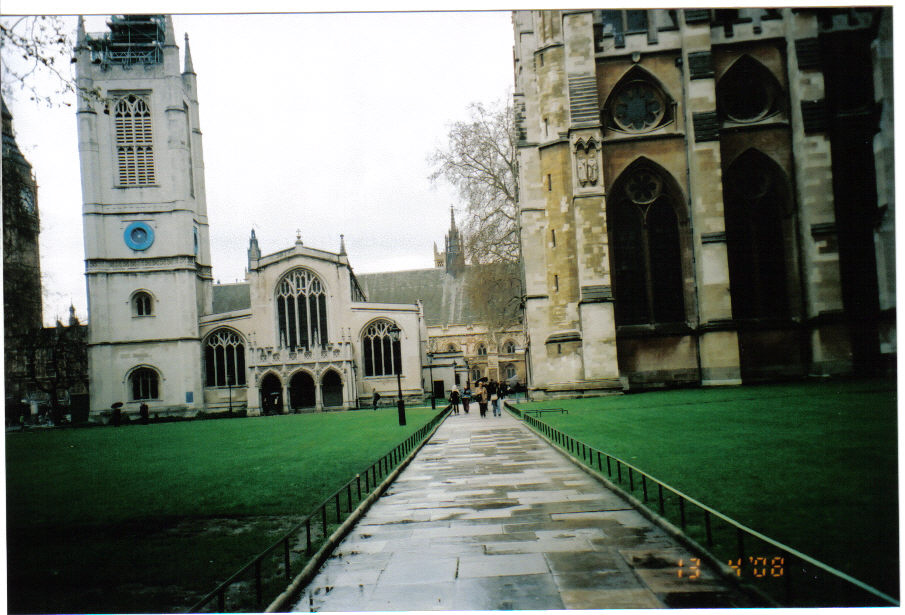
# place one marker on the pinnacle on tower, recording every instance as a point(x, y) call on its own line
point(342, 245)
point(189, 68)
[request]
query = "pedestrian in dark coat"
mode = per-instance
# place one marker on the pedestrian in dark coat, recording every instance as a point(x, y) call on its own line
point(454, 400)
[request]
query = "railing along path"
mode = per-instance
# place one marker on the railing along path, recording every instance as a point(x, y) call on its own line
point(271, 570)
point(782, 573)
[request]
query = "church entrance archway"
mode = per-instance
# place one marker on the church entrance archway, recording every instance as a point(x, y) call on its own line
point(332, 389)
point(271, 395)
point(301, 391)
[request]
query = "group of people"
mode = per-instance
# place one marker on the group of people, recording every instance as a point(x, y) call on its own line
point(485, 392)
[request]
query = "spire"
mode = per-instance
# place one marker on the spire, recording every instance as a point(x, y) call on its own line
point(73, 319)
point(342, 245)
point(80, 35)
point(452, 219)
point(189, 68)
point(170, 34)
point(254, 252)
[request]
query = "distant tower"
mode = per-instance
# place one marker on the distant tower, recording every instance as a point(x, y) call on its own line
point(21, 262)
point(147, 254)
point(455, 251)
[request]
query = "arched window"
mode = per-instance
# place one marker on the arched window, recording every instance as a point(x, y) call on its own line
point(224, 359)
point(144, 381)
point(475, 374)
point(748, 92)
point(301, 310)
point(509, 347)
point(134, 142)
point(142, 304)
point(511, 372)
point(756, 195)
point(637, 104)
point(647, 265)
point(382, 356)
point(482, 350)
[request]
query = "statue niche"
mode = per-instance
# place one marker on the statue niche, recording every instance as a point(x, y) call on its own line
point(587, 166)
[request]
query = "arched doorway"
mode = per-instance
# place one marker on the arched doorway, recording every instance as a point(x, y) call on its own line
point(301, 391)
point(271, 395)
point(332, 389)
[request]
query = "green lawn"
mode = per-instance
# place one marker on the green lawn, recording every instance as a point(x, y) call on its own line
point(813, 465)
point(148, 518)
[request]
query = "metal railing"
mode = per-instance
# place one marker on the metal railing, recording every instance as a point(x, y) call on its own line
point(270, 572)
point(771, 568)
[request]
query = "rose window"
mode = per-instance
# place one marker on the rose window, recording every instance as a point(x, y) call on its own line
point(638, 106)
point(644, 186)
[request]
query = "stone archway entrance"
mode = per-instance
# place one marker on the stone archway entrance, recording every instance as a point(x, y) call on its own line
point(271, 395)
point(332, 389)
point(301, 391)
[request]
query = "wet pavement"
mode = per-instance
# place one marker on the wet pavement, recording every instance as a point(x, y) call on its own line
point(490, 517)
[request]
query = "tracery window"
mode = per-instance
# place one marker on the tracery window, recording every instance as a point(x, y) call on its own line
point(482, 350)
point(638, 104)
point(301, 310)
point(224, 359)
point(382, 355)
point(755, 199)
point(144, 381)
point(647, 281)
point(134, 141)
point(142, 304)
point(511, 372)
point(509, 347)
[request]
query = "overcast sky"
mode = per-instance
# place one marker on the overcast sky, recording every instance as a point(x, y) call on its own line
point(316, 122)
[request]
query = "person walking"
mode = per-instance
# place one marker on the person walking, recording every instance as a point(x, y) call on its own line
point(492, 392)
point(481, 393)
point(466, 399)
point(502, 394)
point(375, 400)
point(454, 400)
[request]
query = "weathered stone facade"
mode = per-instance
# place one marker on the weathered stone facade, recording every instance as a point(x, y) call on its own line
point(679, 197)
point(299, 334)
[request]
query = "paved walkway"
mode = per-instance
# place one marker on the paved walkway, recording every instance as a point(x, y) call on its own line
point(489, 517)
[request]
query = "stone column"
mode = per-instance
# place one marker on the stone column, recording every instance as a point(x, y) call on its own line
point(717, 338)
point(830, 345)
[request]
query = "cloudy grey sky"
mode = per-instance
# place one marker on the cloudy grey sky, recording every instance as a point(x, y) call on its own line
point(316, 122)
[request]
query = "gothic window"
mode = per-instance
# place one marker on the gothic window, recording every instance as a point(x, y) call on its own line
point(637, 104)
point(475, 374)
point(224, 359)
point(756, 197)
point(301, 310)
point(509, 347)
point(482, 350)
point(511, 372)
point(134, 142)
point(382, 355)
point(144, 384)
point(644, 233)
point(748, 92)
point(142, 304)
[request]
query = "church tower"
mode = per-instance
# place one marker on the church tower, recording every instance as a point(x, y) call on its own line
point(455, 251)
point(147, 254)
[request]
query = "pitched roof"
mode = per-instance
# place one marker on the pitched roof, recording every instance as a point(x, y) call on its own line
point(444, 297)
point(230, 297)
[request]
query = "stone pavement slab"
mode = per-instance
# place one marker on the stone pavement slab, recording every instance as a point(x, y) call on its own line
point(489, 517)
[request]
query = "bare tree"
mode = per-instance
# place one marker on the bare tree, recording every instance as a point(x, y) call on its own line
point(480, 162)
point(36, 52)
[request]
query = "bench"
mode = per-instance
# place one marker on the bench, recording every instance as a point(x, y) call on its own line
point(540, 411)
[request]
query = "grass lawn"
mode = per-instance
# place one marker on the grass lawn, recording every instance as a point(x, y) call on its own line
point(149, 518)
point(813, 465)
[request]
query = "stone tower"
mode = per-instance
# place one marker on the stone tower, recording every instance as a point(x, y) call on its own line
point(21, 260)
point(455, 251)
point(147, 255)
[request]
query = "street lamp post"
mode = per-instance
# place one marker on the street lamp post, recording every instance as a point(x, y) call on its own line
point(395, 332)
point(430, 357)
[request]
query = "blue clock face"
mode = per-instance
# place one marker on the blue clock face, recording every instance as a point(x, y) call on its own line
point(139, 236)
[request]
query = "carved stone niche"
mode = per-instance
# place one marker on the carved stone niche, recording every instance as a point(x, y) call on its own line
point(587, 161)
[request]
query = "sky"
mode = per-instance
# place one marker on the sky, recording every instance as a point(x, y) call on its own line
point(313, 123)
